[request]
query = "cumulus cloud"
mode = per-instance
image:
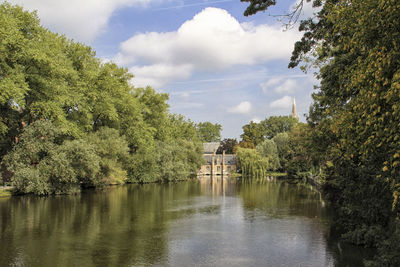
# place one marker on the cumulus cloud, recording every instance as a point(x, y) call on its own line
point(279, 85)
point(282, 103)
point(242, 108)
point(81, 20)
point(212, 40)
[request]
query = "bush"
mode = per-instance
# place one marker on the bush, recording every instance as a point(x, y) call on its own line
point(113, 152)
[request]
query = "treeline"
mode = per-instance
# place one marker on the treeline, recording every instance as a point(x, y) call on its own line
point(353, 131)
point(270, 145)
point(68, 120)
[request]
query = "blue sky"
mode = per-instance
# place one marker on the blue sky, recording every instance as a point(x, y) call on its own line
point(216, 64)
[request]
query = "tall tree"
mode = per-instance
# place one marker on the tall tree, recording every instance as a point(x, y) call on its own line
point(209, 132)
point(277, 124)
point(228, 145)
point(269, 151)
point(267, 128)
point(253, 132)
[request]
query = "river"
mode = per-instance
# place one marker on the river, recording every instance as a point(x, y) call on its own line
point(207, 222)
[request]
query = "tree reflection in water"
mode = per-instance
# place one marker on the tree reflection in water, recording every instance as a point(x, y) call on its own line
point(210, 221)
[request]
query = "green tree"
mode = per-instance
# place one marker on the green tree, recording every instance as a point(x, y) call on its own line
point(154, 110)
point(253, 132)
point(355, 113)
point(51, 84)
point(277, 124)
point(282, 144)
point(251, 163)
point(269, 151)
point(244, 144)
point(209, 132)
point(267, 129)
point(178, 160)
point(113, 151)
point(228, 145)
point(43, 164)
point(299, 146)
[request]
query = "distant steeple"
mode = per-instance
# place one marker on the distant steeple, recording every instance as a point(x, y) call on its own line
point(294, 112)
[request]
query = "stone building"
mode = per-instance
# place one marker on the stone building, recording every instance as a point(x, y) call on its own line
point(217, 164)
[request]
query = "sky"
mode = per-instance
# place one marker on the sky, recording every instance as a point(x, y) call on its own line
point(216, 64)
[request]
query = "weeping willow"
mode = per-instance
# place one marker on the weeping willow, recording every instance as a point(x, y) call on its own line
point(252, 163)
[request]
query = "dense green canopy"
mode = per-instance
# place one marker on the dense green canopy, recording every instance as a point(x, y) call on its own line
point(353, 135)
point(68, 120)
point(209, 132)
point(267, 128)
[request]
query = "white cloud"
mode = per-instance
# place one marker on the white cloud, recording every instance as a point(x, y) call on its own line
point(266, 86)
point(256, 120)
point(159, 74)
point(283, 85)
point(242, 108)
point(287, 86)
point(282, 103)
point(212, 40)
point(81, 20)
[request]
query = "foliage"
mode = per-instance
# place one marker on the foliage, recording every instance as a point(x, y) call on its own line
point(277, 124)
point(209, 132)
point(43, 165)
point(227, 145)
point(272, 141)
point(299, 143)
point(251, 163)
point(253, 132)
point(67, 120)
point(355, 114)
point(388, 251)
point(269, 151)
point(113, 151)
point(257, 5)
point(244, 144)
point(178, 160)
point(180, 128)
point(267, 129)
point(74, 164)
point(282, 144)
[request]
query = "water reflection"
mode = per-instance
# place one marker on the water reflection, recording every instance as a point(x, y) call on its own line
point(211, 221)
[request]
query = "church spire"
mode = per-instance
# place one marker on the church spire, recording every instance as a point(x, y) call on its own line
point(294, 112)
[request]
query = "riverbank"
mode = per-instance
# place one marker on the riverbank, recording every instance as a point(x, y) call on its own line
point(6, 191)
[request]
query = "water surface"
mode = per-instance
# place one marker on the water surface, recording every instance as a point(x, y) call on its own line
point(208, 222)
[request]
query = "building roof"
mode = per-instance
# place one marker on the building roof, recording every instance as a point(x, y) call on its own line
point(209, 148)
